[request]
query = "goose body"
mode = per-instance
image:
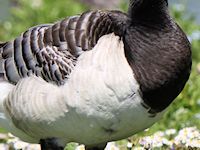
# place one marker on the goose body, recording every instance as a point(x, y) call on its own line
point(93, 78)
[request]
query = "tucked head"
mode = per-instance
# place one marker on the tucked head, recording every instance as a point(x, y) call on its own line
point(147, 8)
point(158, 52)
point(147, 2)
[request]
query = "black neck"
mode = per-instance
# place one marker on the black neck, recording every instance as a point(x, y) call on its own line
point(149, 11)
point(157, 51)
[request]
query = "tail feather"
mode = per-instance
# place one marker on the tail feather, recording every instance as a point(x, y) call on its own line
point(1, 60)
point(5, 88)
point(3, 44)
point(5, 122)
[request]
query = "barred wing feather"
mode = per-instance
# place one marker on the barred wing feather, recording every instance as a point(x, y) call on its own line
point(51, 50)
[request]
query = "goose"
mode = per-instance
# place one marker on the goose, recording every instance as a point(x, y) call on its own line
point(93, 78)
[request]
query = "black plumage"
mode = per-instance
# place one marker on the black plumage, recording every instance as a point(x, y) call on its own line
point(158, 52)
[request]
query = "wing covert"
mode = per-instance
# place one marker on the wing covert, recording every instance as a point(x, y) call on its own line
point(51, 50)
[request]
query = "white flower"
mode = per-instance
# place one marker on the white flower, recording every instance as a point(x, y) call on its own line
point(170, 132)
point(129, 145)
point(159, 134)
point(4, 147)
point(188, 137)
point(167, 142)
point(33, 147)
point(80, 147)
point(111, 146)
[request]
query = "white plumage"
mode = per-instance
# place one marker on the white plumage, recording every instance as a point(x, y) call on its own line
point(97, 104)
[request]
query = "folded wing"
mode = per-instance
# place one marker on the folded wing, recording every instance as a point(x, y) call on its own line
point(51, 50)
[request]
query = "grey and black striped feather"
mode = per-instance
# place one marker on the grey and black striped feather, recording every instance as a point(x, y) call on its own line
point(51, 50)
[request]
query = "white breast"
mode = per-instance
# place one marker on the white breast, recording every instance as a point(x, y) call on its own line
point(99, 102)
point(103, 95)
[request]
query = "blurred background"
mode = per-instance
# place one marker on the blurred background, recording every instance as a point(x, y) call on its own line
point(18, 15)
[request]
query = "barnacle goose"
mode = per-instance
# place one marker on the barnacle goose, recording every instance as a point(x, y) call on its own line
point(94, 78)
